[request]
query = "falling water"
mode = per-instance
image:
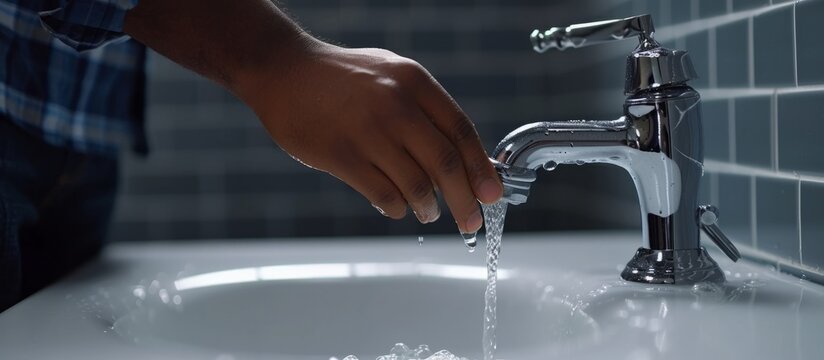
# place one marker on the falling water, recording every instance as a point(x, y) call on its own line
point(470, 240)
point(494, 222)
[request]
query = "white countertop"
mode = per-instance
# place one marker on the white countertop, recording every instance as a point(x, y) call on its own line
point(561, 297)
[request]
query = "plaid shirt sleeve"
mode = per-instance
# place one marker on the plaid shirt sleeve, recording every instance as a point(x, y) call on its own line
point(87, 24)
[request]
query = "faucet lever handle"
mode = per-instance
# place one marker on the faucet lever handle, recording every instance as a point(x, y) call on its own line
point(708, 220)
point(580, 35)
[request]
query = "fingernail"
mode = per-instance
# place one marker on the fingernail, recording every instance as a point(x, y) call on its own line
point(490, 191)
point(474, 222)
point(428, 214)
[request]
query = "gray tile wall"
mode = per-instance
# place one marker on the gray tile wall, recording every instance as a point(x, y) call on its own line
point(763, 90)
point(214, 173)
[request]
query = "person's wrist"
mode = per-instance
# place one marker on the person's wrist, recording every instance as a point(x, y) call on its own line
point(270, 81)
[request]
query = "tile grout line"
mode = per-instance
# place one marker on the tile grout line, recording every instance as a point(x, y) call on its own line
point(713, 59)
point(694, 10)
point(750, 53)
point(753, 213)
point(697, 25)
point(727, 93)
point(774, 129)
point(795, 46)
point(746, 170)
point(731, 131)
point(798, 218)
point(781, 264)
point(666, 12)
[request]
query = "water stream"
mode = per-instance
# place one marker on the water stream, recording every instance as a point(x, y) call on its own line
point(494, 215)
point(494, 223)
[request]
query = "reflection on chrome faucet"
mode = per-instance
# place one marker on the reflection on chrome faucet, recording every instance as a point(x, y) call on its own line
point(657, 140)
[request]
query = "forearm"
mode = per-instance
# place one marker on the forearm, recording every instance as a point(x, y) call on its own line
point(231, 42)
point(378, 121)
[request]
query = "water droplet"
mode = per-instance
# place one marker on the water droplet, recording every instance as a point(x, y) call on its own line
point(753, 283)
point(400, 349)
point(164, 295)
point(550, 165)
point(420, 240)
point(707, 288)
point(381, 211)
point(470, 239)
point(139, 292)
point(580, 162)
point(422, 352)
point(571, 144)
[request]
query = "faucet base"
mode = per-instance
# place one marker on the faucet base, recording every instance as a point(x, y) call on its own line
point(680, 267)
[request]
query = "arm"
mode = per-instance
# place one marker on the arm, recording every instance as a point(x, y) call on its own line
point(375, 120)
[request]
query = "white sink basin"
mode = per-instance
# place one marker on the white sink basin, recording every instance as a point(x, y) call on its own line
point(340, 309)
point(560, 296)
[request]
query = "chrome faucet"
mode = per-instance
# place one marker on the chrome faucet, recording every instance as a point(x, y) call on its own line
point(658, 141)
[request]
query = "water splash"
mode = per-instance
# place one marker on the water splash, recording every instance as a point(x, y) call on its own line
point(402, 352)
point(420, 240)
point(494, 223)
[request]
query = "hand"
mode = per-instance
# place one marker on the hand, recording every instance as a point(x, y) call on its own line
point(383, 125)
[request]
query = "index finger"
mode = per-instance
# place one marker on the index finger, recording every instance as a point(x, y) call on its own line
point(451, 120)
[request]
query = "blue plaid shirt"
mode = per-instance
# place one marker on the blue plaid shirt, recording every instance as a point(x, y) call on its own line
point(69, 74)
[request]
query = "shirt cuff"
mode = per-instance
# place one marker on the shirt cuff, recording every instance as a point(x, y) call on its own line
point(87, 24)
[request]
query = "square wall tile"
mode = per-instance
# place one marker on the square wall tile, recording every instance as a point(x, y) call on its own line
point(732, 48)
point(739, 5)
point(698, 48)
point(652, 7)
point(752, 131)
point(773, 48)
point(809, 28)
point(681, 11)
point(715, 121)
point(777, 217)
point(812, 224)
point(800, 129)
point(437, 40)
point(656, 8)
point(709, 8)
point(734, 207)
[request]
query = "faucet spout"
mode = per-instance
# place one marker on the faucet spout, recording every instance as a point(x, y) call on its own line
point(531, 146)
point(548, 144)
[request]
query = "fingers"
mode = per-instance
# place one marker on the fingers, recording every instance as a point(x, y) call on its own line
point(442, 161)
point(448, 117)
point(412, 181)
point(373, 184)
